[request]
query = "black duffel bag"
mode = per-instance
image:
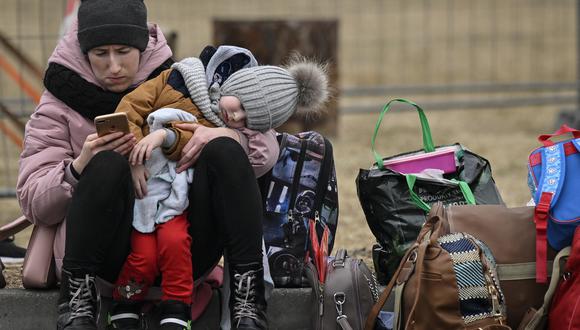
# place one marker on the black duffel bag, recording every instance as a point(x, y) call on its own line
point(396, 195)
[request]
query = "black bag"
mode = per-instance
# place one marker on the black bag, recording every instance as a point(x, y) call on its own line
point(396, 204)
point(300, 196)
point(343, 293)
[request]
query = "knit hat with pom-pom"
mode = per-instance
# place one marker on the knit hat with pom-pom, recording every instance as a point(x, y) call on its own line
point(271, 94)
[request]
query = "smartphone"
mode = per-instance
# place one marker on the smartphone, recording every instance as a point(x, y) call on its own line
point(111, 123)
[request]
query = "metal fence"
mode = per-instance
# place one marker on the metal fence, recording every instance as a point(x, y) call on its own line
point(442, 53)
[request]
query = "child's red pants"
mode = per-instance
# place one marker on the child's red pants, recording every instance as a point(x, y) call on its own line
point(166, 251)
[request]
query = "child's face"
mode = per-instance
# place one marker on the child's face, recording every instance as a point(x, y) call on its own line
point(231, 112)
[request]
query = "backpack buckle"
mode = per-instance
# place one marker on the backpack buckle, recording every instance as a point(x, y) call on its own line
point(543, 207)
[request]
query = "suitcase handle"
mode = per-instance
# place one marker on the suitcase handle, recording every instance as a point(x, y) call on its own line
point(428, 145)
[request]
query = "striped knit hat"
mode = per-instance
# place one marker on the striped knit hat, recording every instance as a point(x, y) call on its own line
point(271, 94)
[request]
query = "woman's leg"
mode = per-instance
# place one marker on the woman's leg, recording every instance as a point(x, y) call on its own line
point(225, 207)
point(226, 213)
point(98, 229)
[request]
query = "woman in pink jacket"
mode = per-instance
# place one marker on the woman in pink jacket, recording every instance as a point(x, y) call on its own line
point(71, 178)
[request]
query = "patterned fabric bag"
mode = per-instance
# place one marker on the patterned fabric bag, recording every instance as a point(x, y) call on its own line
point(445, 282)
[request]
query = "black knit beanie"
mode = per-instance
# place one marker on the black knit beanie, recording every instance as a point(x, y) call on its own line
point(111, 22)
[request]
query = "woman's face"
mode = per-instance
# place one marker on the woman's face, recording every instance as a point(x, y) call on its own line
point(114, 66)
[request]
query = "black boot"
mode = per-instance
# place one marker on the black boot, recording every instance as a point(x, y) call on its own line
point(124, 315)
point(79, 311)
point(63, 309)
point(175, 315)
point(247, 297)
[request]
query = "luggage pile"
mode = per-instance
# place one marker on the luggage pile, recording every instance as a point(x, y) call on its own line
point(454, 256)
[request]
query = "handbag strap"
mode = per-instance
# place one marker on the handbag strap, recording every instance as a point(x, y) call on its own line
point(343, 323)
point(428, 145)
point(432, 227)
point(398, 308)
point(340, 299)
point(556, 272)
point(465, 190)
point(409, 257)
point(421, 252)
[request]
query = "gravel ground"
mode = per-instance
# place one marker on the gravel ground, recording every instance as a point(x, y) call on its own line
point(12, 275)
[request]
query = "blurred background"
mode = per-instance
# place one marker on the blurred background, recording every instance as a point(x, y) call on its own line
point(491, 75)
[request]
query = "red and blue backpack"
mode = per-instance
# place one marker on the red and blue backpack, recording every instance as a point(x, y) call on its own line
point(554, 180)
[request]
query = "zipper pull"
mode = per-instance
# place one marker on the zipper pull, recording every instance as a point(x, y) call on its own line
point(495, 305)
point(493, 292)
point(321, 301)
point(339, 300)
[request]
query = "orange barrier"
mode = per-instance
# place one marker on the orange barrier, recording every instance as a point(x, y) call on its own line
point(21, 56)
point(13, 118)
point(17, 77)
point(14, 137)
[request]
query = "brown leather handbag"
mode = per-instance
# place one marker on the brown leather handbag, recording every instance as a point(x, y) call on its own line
point(511, 235)
point(444, 282)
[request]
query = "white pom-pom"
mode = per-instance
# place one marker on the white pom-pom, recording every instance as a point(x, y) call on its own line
point(312, 81)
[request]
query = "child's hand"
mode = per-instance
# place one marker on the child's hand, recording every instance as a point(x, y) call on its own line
point(142, 150)
point(140, 175)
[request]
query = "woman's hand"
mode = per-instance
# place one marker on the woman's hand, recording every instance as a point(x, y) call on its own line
point(119, 142)
point(142, 150)
point(140, 176)
point(201, 136)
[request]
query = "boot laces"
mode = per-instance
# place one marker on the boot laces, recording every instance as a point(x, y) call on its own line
point(245, 296)
point(82, 302)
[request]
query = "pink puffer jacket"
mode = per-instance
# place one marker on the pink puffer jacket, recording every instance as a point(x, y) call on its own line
point(55, 135)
